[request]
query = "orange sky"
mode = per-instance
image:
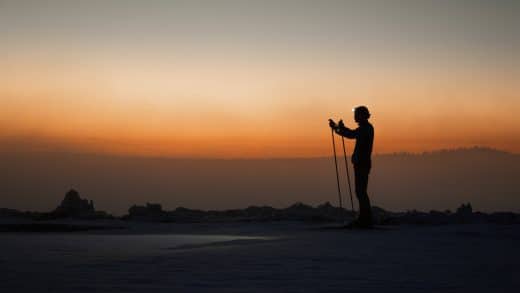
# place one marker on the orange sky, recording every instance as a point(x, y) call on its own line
point(135, 89)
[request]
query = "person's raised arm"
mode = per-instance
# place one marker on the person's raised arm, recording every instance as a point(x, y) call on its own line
point(342, 130)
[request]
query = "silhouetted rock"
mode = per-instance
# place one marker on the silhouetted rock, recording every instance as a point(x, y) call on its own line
point(150, 212)
point(264, 212)
point(296, 212)
point(464, 213)
point(11, 213)
point(465, 210)
point(46, 227)
point(504, 218)
point(299, 211)
point(327, 208)
point(73, 206)
point(16, 214)
point(149, 209)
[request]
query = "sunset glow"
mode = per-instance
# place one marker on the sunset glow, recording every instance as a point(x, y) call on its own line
point(164, 78)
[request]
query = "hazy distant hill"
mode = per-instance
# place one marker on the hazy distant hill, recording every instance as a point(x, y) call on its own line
point(489, 179)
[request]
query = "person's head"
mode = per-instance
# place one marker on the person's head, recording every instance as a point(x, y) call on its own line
point(361, 114)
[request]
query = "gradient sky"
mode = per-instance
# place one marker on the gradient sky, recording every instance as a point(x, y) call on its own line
point(256, 78)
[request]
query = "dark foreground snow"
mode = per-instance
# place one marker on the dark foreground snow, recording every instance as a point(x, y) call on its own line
point(281, 257)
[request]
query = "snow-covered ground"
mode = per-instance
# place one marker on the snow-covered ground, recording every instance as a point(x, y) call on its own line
point(264, 257)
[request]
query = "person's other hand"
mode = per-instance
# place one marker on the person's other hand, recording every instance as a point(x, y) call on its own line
point(332, 124)
point(341, 124)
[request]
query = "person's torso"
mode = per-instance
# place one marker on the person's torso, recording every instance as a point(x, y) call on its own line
point(364, 142)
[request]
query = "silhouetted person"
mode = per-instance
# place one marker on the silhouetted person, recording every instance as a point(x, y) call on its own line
point(361, 159)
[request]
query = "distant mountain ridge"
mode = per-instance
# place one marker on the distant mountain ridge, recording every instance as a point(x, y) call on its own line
point(462, 150)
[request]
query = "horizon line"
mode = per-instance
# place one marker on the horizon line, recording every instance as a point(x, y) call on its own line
point(257, 158)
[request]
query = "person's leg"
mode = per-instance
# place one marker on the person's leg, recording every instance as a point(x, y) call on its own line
point(361, 180)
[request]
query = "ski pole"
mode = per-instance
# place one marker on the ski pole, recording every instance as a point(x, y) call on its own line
point(348, 175)
point(337, 173)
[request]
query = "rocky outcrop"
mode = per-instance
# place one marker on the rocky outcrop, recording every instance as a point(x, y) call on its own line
point(73, 206)
point(296, 212)
point(149, 212)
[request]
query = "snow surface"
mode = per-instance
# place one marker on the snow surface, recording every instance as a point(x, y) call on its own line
point(264, 257)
